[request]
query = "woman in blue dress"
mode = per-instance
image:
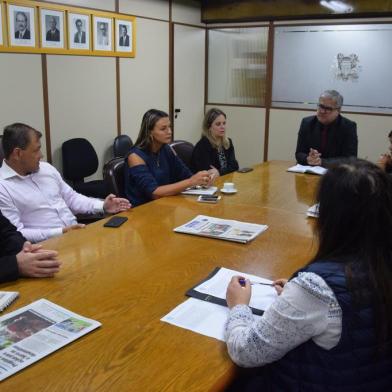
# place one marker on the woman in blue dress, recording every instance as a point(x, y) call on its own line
point(153, 169)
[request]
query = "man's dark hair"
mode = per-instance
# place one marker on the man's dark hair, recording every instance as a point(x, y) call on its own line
point(17, 135)
point(390, 134)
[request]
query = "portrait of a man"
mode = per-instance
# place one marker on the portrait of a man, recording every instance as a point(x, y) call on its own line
point(123, 34)
point(21, 25)
point(102, 34)
point(80, 35)
point(52, 32)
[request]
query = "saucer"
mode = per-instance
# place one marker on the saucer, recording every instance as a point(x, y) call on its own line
point(228, 192)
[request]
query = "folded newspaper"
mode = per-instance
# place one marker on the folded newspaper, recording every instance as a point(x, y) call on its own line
point(224, 229)
point(307, 169)
point(198, 190)
point(36, 330)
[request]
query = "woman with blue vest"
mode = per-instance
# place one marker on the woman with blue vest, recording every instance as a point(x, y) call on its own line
point(330, 329)
point(153, 169)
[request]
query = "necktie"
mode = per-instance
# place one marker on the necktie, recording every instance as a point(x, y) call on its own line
point(324, 138)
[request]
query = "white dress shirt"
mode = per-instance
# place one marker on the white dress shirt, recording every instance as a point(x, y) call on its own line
point(41, 204)
point(306, 309)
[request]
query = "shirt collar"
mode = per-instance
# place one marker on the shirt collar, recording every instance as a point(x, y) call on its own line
point(7, 172)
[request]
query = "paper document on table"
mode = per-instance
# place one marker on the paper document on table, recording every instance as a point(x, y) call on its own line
point(225, 229)
point(215, 286)
point(313, 211)
point(307, 169)
point(198, 190)
point(36, 330)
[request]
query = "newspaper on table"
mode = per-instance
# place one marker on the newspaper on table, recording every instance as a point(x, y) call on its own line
point(313, 211)
point(225, 229)
point(36, 330)
point(307, 169)
point(199, 190)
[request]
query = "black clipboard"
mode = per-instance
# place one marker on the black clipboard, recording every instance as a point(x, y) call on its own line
point(210, 298)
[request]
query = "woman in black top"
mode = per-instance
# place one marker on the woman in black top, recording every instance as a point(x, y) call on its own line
point(214, 150)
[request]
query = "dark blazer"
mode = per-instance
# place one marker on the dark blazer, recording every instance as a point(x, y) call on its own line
point(205, 155)
point(53, 37)
point(76, 38)
point(126, 41)
point(26, 34)
point(11, 243)
point(342, 140)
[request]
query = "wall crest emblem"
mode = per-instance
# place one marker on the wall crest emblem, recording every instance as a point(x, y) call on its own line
point(347, 68)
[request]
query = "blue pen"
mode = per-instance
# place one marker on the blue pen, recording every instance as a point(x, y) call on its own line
point(242, 282)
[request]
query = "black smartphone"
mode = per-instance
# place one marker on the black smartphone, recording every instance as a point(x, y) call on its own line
point(115, 221)
point(245, 170)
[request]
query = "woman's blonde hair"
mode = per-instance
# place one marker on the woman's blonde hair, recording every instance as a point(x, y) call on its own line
point(209, 118)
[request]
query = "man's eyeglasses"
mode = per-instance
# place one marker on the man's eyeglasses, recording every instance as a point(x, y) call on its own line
point(327, 109)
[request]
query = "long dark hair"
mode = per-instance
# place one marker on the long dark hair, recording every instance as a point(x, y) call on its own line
point(150, 118)
point(355, 227)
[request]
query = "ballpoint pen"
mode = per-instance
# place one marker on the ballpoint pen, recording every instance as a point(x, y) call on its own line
point(242, 283)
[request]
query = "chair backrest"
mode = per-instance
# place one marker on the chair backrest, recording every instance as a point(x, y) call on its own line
point(121, 146)
point(79, 159)
point(184, 150)
point(113, 176)
point(1, 151)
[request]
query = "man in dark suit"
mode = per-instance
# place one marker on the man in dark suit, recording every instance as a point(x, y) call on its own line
point(326, 137)
point(19, 258)
point(124, 38)
point(80, 35)
point(53, 34)
point(21, 32)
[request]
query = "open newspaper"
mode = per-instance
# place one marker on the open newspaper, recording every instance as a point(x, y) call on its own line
point(199, 190)
point(307, 169)
point(223, 229)
point(36, 330)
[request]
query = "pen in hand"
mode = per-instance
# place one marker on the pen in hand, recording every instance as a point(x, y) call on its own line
point(242, 283)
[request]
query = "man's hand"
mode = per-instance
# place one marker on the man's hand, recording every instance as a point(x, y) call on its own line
point(385, 161)
point(314, 158)
point(113, 204)
point(41, 264)
point(214, 174)
point(279, 285)
point(66, 229)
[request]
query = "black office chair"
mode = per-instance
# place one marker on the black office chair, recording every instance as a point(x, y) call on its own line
point(1, 151)
point(79, 161)
point(184, 150)
point(121, 146)
point(113, 176)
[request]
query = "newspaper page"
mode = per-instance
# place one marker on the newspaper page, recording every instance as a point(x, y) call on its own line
point(36, 330)
point(307, 169)
point(224, 229)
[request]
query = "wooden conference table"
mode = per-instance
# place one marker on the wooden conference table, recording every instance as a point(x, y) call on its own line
point(128, 278)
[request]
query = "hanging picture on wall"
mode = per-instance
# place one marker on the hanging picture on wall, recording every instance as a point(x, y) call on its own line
point(21, 26)
point(124, 36)
point(103, 39)
point(79, 31)
point(52, 29)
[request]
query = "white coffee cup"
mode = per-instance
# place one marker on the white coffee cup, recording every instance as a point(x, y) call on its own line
point(229, 186)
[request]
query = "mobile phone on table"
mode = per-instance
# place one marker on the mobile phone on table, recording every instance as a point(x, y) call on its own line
point(208, 199)
point(115, 221)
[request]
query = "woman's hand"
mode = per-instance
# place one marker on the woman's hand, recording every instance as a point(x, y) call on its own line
point(237, 293)
point(201, 178)
point(279, 284)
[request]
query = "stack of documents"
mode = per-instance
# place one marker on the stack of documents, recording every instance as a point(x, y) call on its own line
point(208, 318)
point(198, 190)
point(307, 169)
point(223, 229)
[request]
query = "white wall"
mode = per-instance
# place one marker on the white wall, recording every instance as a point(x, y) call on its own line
point(21, 94)
point(158, 9)
point(187, 11)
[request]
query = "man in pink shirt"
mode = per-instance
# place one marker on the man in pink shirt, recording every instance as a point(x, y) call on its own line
point(34, 197)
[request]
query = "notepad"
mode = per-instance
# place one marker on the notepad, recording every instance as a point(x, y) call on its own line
point(198, 190)
point(6, 298)
point(307, 169)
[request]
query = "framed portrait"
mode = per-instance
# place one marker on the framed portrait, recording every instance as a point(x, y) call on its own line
point(124, 36)
point(21, 25)
point(103, 36)
point(52, 28)
point(79, 31)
